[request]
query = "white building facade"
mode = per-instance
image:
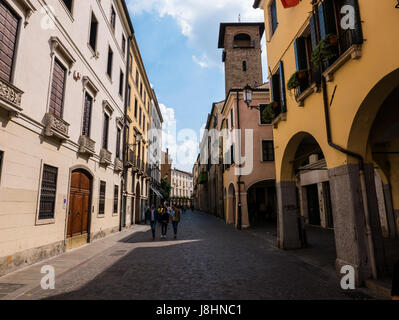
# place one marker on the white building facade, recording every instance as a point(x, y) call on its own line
point(62, 102)
point(182, 187)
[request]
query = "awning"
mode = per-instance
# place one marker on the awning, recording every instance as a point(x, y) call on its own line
point(156, 192)
point(289, 3)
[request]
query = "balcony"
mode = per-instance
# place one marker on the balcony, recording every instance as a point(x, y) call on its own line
point(86, 146)
point(55, 127)
point(10, 97)
point(105, 157)
point(118, 165)
point(131, 159)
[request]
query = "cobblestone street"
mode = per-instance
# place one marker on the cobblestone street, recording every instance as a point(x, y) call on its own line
point(210, 260)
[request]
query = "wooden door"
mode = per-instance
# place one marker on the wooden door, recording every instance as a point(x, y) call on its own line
point(79, 206)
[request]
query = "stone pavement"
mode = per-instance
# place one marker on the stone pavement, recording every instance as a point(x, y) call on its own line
point(210, 260)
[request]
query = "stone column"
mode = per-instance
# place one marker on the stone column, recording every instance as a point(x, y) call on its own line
point(375, 222)
point(287, 218)
point(390, 212)
point(349, 221)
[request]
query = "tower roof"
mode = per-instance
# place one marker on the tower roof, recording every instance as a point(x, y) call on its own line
point(223, 26)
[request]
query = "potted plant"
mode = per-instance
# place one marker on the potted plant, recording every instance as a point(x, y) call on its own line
point(296, 78)
point(325, 50)
point(268, 112)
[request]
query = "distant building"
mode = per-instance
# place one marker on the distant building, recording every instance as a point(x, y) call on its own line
point(182, 187)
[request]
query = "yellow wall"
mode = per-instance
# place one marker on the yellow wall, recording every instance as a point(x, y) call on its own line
point(354, 81)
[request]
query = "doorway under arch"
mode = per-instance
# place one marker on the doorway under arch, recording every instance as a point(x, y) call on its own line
point(262, 204)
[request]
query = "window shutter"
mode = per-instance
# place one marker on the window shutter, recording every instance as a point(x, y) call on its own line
point(9, 24)
point(327, 18)
point(313, 31)
point(300, 54)
point(357, 33)
point(275, 88)
point(282, 88)
point(87, 116)
point(57, 89)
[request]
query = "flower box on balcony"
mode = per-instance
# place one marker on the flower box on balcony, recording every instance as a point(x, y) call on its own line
point(105, 157)
point(86, 146)
point(118, 165)
point(10, 98)
point(55, 127)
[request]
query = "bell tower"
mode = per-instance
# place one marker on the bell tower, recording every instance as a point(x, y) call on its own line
point(242, 54)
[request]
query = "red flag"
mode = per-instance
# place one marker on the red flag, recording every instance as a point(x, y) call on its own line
point(290, 3)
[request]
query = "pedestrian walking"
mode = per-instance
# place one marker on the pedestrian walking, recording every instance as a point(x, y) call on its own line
point(164, 219)
point(395, 282)
point(175, 219)
point(153, 217)
point(147, 215)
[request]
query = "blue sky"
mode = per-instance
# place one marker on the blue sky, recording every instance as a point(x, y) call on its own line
point(178, 43)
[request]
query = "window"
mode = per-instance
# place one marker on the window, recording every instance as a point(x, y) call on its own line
point(273, 16)
point(267, 151)
point(232, 153)
point(327, 20)
point(277, 84)
point(231, 119)
point(242, 40)
point(93, 32)
point(57, 89)
point(87, 115)
point(140, 117)
point(109, 63)
point(123, 43)
point(118, 143)
point(244, 66)
point(101, 203)
point(135, 107)
point(130, 63)
point(143, 122)
point(48, 193)
point(105, 131)
point(137, 78)
point(9, 23)
point(141, 90)
point(1, 162)
point(116, 198)
point(129, 96)
point(113, 18)
point(121, 76)
point(68, 4)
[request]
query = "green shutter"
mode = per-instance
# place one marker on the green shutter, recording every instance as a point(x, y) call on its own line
point(282, 88)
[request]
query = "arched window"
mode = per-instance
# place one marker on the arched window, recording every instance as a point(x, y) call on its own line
point(242, 40)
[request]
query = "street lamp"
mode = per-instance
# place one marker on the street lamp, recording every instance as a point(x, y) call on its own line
point(248, 93)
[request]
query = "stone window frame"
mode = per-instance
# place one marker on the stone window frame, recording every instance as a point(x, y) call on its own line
point(94, 51)
point(59, 52)
point(42, 222)
point(70, 13)
point(90, 89)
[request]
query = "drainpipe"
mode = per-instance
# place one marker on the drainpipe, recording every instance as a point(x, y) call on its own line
point(125, 145)
point(239, 222)
point(361, 172)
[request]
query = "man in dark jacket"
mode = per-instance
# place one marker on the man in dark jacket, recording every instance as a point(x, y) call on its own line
point(153, 217)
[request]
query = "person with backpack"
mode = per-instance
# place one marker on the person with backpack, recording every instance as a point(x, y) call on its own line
point(164, 220)
point(153, 217)
point(175, 219)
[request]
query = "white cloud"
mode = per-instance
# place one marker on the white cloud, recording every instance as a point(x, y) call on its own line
point(199, 21)
point(202, 62)
point(183, 145)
